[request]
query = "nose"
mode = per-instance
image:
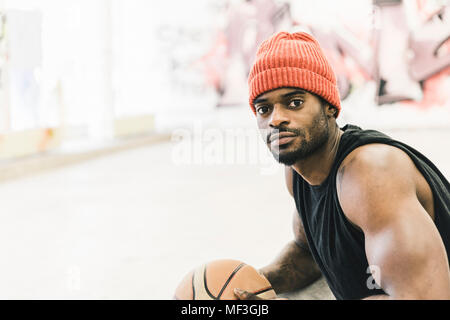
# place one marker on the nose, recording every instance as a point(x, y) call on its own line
point(278, 117)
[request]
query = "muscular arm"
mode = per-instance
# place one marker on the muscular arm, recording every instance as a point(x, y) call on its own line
point(378, 191)
point(294, 268)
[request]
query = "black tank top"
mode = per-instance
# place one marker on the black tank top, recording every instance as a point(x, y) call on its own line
point(336, 245)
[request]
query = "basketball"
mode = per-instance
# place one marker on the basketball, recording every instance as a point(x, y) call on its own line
point(217, 279)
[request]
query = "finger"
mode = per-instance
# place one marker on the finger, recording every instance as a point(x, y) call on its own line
point(244, 295)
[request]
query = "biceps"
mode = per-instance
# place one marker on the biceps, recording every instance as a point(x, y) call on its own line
point(411, 258)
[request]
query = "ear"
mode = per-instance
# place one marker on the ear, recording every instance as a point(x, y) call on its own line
point(330, 111)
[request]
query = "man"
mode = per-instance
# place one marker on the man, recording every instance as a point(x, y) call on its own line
point(373, 214)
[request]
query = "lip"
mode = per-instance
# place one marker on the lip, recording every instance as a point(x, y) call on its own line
point(282, 141)
point(281, 136)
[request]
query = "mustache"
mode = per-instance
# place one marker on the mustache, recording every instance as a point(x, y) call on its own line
point(297, 132)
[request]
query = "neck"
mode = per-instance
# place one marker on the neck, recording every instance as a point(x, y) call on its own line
point(316, 167)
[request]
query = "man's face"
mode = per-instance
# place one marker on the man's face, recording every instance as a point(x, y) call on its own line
point(292, 122)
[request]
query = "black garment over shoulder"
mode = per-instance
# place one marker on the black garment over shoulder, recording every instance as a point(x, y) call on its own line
point(336, 245)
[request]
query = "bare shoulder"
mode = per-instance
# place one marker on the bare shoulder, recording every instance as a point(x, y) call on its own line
point(372, 179)
point(375, 164)
point(376, 156)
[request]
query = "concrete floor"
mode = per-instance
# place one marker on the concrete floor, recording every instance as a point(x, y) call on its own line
point(130, 225)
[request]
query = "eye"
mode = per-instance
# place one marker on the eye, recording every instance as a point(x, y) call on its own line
point(295, 103)
point(262, 109)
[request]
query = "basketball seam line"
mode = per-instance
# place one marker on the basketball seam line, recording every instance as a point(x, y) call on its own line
point(263, 290)
point(206, 286)
point(193, 286)
point(229, 279)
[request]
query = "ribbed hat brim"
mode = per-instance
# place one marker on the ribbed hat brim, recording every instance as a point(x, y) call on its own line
point(275, 78)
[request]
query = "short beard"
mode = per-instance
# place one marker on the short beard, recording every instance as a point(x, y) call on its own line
point(318, 133)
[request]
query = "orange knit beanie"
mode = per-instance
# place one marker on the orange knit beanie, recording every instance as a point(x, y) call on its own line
point(293, 60)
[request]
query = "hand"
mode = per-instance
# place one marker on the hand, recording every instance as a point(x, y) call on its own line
point(245, 295)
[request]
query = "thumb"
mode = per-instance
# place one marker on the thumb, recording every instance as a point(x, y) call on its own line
point(244, 295)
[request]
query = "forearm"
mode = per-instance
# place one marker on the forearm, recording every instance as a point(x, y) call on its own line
point(293, 269)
